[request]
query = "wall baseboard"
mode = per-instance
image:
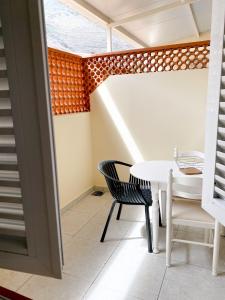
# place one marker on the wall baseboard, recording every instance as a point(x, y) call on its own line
point(82, 196)
point(76, 200)
point(101, 188)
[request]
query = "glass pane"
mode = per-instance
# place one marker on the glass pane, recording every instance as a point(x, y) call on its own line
point(70, 31)
point(119, 44)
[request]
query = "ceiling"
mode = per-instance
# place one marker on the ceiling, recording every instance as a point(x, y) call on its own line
point(161, 26)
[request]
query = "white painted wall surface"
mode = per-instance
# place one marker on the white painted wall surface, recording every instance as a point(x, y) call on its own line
point(144, 116)
point(73, 155)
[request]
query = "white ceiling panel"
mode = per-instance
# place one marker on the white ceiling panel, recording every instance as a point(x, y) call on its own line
point(165, 16)
point(117, 9)
point(166, 26)
point(202, 11)
point(165, 32)
point(162, 27)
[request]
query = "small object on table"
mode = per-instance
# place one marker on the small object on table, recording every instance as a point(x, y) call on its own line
point(190, 159)
point(190, 171)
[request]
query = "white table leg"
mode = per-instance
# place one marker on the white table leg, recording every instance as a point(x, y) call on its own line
point(155, 216)
point(162, 200)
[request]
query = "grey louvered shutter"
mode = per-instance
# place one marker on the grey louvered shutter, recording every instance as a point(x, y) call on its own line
point(12, 227)
point(30, 238)
point(214, 174)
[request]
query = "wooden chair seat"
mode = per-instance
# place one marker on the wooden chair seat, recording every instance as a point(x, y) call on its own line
point(189, 209)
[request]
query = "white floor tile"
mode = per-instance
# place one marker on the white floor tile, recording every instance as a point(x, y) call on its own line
point(121, 268)
point(43, 288)
point(85, 258)
point(81, 213)
point(132, 272)
point(186, 282)
point(93, 231)
point(13, 280)
point(66, 239)
point(196, 255)
point(91, 204)
point(133, 213)
point(73, 221)
point(94, 228)
point(100, 293)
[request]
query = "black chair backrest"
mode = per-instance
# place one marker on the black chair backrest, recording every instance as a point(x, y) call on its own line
point(108, 169)
point(120, 190)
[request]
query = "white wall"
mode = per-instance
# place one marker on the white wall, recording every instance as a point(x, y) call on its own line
point(155, 111)
point(152, 113)
point(73, 155)
point(202, 37)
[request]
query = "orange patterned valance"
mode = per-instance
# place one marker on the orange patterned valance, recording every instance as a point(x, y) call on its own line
point(73, 78)
point(66, 72)
point(165, 58)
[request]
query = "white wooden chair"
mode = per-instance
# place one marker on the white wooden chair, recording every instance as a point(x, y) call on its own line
point(184, 208)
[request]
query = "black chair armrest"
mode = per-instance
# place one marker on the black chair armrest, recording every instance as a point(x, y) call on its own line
point(119, 181)
point(123, 163)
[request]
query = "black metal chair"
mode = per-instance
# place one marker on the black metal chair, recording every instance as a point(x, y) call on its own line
point(134, 192)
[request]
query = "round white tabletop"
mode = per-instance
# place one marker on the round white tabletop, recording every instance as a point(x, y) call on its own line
point(155, 171)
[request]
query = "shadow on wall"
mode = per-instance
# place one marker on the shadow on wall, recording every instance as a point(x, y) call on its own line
point(143, 116)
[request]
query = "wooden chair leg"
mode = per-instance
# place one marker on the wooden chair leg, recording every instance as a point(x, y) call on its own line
point(216, 248)
point(148, 229)
point(119, 211)
point(169, 233)
point(107, 222)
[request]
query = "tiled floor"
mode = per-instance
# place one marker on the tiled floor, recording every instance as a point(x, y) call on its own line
point(121, 268)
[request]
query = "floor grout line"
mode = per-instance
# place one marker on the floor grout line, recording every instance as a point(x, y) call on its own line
point(162, 283)
point(116, 247)
point(100, 271)
point(164, 273)
point(104, 265)
point(97, 275)
point(25, 282)
point(74, 235)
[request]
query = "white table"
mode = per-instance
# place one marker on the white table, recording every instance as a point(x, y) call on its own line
point(157, 173)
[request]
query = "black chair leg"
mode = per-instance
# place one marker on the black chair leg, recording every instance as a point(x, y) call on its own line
point(119, 211)
point(107, 222)
point(148, 229)
point(160, 218)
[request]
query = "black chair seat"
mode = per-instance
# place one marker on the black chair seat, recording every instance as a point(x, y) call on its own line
point(134, 192)
point(136, 198)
